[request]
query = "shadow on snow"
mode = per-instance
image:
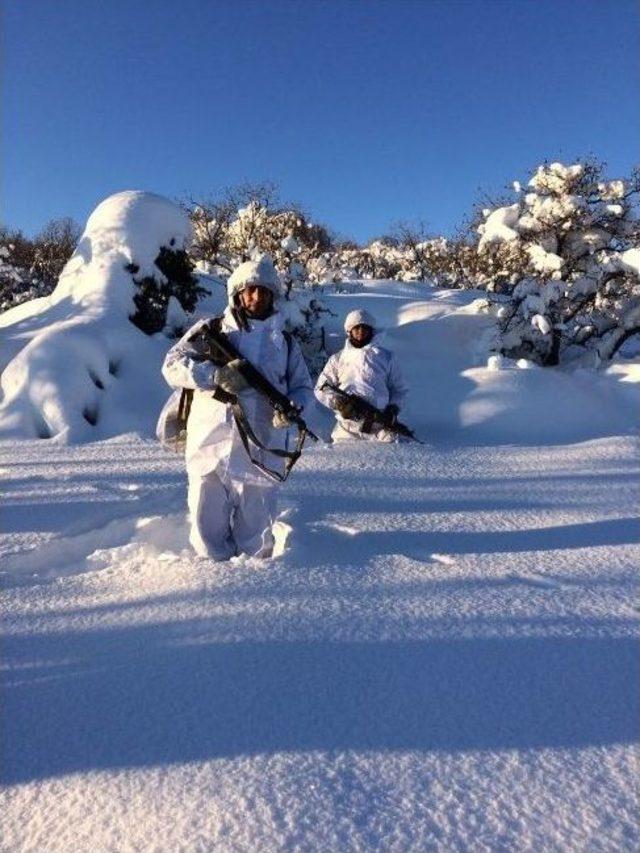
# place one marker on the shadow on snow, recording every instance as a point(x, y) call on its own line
point(167, 693)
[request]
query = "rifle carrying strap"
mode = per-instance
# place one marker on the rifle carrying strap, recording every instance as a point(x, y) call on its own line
point(247, 435)
point(184, 406)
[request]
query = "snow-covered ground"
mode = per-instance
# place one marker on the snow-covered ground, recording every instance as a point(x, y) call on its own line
point(443, 655)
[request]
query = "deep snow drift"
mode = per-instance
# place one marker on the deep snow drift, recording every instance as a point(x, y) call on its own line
point(441, 656)
point(444, 656)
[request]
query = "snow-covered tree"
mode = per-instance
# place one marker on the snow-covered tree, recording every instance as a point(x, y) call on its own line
point(210, 221)
point(84, 371)
point(19, 281)
point(566, 254)
point(52, 248)
point(247, 220)
point(291, 242)
point(31, 267)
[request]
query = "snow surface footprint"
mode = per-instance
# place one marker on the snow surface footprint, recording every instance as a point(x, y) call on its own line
point(102, 548)
point(281, 533)
point(349, 533)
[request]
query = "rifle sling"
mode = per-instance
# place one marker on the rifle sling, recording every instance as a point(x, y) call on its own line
point(247, 434)
point(184, 406)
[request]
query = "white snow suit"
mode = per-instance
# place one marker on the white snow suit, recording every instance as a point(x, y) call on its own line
point(231, 501)
point(373, 373)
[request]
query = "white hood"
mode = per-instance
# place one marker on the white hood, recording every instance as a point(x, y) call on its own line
point(260, 272)
point(360, 317)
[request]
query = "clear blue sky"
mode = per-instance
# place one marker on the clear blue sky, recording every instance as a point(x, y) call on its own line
point(365, 111)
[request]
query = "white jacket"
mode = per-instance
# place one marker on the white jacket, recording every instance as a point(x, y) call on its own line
point(213, 440)
point(371, 372)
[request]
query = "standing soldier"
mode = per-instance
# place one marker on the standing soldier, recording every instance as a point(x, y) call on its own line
point(237, 444)
point(363, 383)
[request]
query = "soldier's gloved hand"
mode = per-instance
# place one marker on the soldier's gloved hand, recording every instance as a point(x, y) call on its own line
point(280, 419)
point(348, 409)
point(390, 415)
point(203, 375)
point(229, 377)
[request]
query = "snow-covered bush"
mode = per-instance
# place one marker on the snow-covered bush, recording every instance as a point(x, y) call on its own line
point(405, 255)
point(331, 267)
point(423, 257)
point(566, 254)
point(305, 312)
point(348, 261)
point(249, 220)
point(78, 369)
point(16, 283)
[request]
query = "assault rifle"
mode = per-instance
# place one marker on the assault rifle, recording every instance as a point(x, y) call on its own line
point(370, 415)
point(221, 351)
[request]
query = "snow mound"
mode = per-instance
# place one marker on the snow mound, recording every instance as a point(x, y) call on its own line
point(78, 370)
point(127, 228)
point(521, 403)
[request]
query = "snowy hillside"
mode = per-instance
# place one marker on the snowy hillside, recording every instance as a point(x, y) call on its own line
point(441, 656)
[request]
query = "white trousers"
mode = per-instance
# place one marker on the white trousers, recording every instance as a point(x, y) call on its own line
point(230, 519)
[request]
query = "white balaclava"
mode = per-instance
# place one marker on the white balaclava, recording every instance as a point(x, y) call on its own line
point(260, 272)
point(360, 317)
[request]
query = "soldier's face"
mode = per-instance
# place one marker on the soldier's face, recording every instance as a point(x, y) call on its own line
point(256, 300)
point(361, 335)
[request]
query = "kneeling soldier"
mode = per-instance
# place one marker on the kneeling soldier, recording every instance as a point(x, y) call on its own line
point(363, 383)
